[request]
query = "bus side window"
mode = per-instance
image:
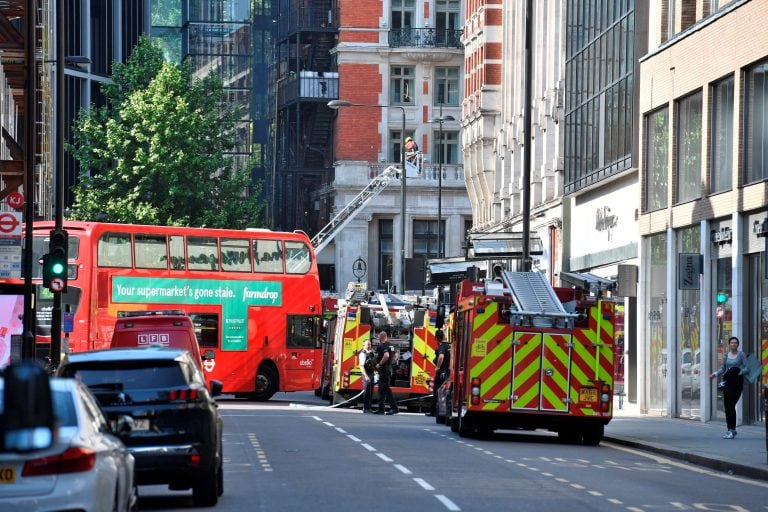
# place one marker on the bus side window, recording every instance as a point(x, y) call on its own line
point(203, 253)
point(178, 261)
point(114, 250)
point(150, 251)
point(298, 258)
point(301, 331)
point(206, 329)
point(268, 256)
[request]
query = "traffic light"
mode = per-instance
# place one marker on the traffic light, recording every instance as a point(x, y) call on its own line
point(55, 262)
point(722, 297)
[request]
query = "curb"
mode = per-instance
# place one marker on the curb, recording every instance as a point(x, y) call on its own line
point(708, 462)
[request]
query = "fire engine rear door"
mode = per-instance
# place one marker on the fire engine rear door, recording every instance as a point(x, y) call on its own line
point(540, 371)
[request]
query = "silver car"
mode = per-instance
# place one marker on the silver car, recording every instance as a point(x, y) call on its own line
point(87, 468)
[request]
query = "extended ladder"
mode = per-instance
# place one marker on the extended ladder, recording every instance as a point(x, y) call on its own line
point(346, 214)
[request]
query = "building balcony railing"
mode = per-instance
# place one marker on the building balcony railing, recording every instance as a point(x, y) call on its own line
point(425, 38)
point(428, 174)
point(308, 86)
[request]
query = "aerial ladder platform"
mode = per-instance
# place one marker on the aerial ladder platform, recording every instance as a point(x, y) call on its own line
point(346, 214)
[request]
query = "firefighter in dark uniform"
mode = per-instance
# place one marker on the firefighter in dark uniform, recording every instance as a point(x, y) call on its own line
point(384, 360)
point(442, 363)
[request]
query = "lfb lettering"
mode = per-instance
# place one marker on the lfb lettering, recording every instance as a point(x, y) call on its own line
point(154, 339)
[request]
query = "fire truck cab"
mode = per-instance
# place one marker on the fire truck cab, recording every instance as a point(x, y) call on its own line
point(529, 356)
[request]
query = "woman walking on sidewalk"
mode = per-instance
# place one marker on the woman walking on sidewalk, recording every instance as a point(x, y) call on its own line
point(731, 373)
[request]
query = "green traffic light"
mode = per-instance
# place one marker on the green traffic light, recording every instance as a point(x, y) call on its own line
point(721, 298)
point(57, 269)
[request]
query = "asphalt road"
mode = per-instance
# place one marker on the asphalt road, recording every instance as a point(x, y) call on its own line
point(292, 454)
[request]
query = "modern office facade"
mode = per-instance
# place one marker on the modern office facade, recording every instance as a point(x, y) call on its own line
point(604, 44)
point(704, 207)
point(212, 36)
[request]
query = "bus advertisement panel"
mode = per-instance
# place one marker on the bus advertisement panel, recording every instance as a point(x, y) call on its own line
point(254, 296)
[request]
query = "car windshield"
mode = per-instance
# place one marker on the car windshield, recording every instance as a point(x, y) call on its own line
point(128, 375)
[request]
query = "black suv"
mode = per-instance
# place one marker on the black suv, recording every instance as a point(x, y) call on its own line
point(176, 436)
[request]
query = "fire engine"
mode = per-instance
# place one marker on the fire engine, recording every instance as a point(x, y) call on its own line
point(530, 356)
point(411, 329)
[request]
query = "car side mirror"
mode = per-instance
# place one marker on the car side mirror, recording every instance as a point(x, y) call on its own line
point(215, 387)
point(26, 423)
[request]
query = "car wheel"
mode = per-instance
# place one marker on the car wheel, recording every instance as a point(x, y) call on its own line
point(205, 491)
point(266, 384)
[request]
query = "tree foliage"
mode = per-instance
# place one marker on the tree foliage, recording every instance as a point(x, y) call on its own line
point(157, 152)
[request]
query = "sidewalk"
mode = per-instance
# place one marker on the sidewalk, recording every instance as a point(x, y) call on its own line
point(693, 441)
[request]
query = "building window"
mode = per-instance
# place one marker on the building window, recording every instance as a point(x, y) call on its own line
point(448, 148)
point(446, 86)
point(756, 124)
point(688, 341)
point(599, 87)
point(403, 12)
point(656, 308)
point(425, 239)
point(447, 21)
point(688, 146)
point(656, 160)
point(402, 84)
point(396, 144)
point(722, 136)
point(386, 252)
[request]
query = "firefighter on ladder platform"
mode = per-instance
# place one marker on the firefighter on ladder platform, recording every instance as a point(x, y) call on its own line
point(411, 150)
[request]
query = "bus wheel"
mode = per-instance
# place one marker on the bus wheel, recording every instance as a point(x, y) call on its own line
point(326, 392)
point(266, 384)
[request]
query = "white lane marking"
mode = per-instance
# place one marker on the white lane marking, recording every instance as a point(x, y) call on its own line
point(615, 501)
point(403, 469)
point(423, 483)
point(684, 465)
point(448, 503)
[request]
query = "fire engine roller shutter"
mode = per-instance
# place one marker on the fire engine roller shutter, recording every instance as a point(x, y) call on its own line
point(555, 372)
point(593, 359)
point(489, 357)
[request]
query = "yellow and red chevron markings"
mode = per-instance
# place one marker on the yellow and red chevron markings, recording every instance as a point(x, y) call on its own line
point(529, 369)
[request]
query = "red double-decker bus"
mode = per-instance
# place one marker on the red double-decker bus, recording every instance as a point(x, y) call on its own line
point(254, 296)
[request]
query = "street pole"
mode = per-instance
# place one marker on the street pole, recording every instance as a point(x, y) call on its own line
point(335, 104)
point(402, 205)
point(526, 249)
point(440, 156)
point(440, 187)
point(30, 90)
point(59, 174)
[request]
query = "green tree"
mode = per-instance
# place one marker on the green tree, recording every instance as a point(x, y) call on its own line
point(156, 153)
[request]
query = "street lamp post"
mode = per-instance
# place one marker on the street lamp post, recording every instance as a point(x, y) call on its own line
point(441, 119)
point(335, 104)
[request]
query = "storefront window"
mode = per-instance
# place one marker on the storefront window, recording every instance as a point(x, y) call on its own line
point(656, 258)
point(688, 342)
